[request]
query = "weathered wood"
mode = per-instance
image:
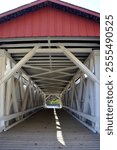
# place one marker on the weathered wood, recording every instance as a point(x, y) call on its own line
point(19, 65)
point(42, 132)
point(8, 96)
point(84, 115)
point(14, 99)
point(25, 99)
point(2, 87)
point(78, 63)
point(97, 89)
point(51, 50)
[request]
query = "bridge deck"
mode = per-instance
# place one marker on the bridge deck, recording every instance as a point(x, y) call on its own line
point(49, 130)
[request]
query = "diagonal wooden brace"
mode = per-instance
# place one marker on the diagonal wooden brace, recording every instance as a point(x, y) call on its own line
point(78, 63)
point(18, 65)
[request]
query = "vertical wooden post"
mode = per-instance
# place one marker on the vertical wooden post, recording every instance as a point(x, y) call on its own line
point(21, 87)
point(45, 100)
point(66, 98)
point(97, 89)
point(30, 92)
point(14, 97)
point(91, 89)
point(25, 99)
point(2, 86)
point(8, 96)
point(8, 90)
point(72, 94)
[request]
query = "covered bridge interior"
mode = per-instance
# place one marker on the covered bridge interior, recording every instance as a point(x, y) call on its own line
point(49, 48)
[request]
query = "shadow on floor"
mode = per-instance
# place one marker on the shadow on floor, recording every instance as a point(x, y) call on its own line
point(49, 129)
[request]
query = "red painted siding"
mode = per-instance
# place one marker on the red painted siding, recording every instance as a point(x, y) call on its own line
point(49, 22)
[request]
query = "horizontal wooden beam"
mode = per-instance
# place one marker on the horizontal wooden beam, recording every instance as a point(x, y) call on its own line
point(51, 85)
point(47, 61)
point(14, 124)
point(89, 127)
point(54, 58)
point(49, 82)
point(12, 116)
point(51, 64)
point(53, 67)
point(96, 39)
point(86, 116)
point(50, 44)
point(50, 79)
point(50, 50)
point(65, 74)
point(55, 71)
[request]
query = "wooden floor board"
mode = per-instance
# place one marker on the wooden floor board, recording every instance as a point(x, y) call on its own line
point(49, 130)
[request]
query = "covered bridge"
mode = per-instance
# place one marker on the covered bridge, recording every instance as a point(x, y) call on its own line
point(49, 48)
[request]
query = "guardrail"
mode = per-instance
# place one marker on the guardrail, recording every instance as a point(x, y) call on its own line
point(16, 115)
point(93, 119)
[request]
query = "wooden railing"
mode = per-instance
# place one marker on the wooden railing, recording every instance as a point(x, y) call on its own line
point(17, 115)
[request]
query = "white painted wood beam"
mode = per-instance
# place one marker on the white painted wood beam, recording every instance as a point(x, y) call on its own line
point(60, 63)
point(35, 68)
point(25, 99)
point(65, 74)
point(50, 50)
point(51, 44)
point(48, 71)
point(77, 99)
point(55, 71)
point(62, 76)
point(97, 90)
point(50, 79)
point(79, 73)
point(96, 39)
point(91, 85)
point(79, 93)
point(49, 86)
point(84, 115)
point(21, 88)
point(89, 127)
point(14, 62)
point(56, 57)
point(15, 115)
point(47, 97)
point(51, 83)
point(14, 99)
point(8, 90)
point(38, 59)
point(8, 96)
point(18, 65)
point(31, 96)
point(2, 87)
point(78, 63)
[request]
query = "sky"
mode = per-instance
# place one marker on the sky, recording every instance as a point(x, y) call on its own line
point(6, 5)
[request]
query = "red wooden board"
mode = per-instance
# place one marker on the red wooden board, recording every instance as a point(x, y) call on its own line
point(49, 22)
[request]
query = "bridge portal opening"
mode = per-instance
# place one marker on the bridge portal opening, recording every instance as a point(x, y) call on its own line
point(50, 58)
point(53, 101)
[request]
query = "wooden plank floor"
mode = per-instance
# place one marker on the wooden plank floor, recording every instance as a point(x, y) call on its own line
point(49, 130)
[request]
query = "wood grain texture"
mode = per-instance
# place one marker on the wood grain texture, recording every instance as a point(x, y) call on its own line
point(40, 133)
point(49, 21)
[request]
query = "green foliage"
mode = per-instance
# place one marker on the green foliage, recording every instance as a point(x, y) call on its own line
point(54, 102)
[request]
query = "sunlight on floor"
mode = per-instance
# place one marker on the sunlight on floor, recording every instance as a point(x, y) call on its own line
point(59, 133)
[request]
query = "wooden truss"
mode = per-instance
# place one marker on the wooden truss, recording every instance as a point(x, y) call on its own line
point(28, 77)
